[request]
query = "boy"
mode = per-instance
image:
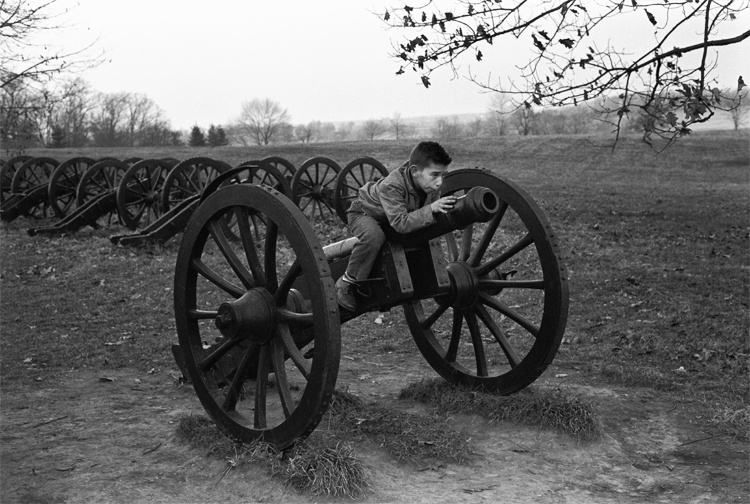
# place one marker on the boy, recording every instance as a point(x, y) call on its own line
point(405, 200)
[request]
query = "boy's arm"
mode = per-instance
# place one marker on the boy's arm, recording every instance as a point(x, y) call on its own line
point(393, 200)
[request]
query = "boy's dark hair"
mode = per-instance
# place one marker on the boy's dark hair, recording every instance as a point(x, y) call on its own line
point(426, 153)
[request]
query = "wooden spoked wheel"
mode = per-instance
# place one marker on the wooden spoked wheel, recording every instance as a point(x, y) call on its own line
point(6, 175)
point(139, 192)
point(63, 184)
point(313, 187)
point(33, 174)
point(284, 166)
point(241, 305)
point(103, 177)
point(189, 178)
point(502, 322)
point(351, 178)
point(265, 174)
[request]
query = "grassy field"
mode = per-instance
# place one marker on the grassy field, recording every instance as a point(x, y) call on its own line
point(656, 246)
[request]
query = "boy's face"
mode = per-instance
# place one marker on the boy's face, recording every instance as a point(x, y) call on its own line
point(430, 178)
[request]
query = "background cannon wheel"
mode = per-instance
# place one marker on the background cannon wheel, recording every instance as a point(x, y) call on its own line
point(189, 178)
point(6, 175)
point(30, 175)
point(239, 311)
point(313, 187)
point(63, 183)
point(502, 323)
point(103, 177)
point(353, 176)
point(139, 192)
point(33, 173)
point(266, 174)
point(284, 166)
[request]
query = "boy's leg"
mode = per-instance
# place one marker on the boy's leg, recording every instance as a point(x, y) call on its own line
point(364, 253)
point(363, 256)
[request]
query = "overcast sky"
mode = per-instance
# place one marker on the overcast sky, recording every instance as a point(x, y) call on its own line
point(324, 60)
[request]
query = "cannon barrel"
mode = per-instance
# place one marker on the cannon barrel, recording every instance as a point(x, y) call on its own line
point(479, 204)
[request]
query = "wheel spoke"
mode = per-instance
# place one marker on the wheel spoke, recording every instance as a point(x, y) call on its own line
point(508, 312)
point(466, 237)
point(195, 314)
point(458, 319)
point(427, 322)
point(286, 283)
point(499, 336)
point(489, 234)
point(497, 261)
point(486, 284)
point(225, 247)
point(272, 232)
point(235, 388)
point(450, 242)
point(291, 348)
point(212, 358)
point(246, 235)
point(279, 371)
point(215, 278)
point(476, 340)
point(261, 387)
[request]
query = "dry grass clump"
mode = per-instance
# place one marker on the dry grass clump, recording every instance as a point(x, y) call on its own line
point(406, 437)
point(734, 421)
point(315, 465)
point(550, 409)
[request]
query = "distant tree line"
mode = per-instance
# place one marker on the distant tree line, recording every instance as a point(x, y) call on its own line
point(71, 114)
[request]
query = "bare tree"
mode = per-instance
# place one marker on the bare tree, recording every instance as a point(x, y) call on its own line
point(373, 128)
point(306, 133)
point(398, 126)
point(740, 107)
point(25, 58)
point(108, 118)
point(445, 129)
point(571, 59)
point(261, 119)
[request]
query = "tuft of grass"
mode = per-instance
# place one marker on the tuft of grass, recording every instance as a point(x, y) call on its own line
point(550, 409)
point(733, 421)
point(315, 465)
point(323, 470)
point(416, 439)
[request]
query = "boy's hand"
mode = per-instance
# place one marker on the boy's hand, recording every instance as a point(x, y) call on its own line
point(443, 205)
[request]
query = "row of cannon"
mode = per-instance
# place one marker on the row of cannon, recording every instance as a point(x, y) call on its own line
point(155, 197)
point(483, 289)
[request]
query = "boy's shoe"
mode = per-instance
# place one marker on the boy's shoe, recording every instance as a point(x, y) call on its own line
point(345, 292)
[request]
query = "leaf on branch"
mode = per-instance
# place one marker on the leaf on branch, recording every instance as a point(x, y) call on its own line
point(400, 71)
point(740, 84)
point(651, 17)
point(635, 4)
point(449, 16)
point(424, 17)
point(479, 55)
point(387, 16)
point(434, 21)
point(672, 119)
point(567, 42)
point(538, 44)
point(544, 34)
point(408, 9)
point(426, 81)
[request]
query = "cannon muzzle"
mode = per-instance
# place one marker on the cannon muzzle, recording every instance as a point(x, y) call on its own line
point(479, 204)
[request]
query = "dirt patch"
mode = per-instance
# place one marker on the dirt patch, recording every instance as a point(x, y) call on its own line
point(96, 436)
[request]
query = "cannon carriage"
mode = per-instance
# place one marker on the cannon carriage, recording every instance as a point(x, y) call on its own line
point(483, 291)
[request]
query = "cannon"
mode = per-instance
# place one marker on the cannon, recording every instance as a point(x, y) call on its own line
point(483, 291)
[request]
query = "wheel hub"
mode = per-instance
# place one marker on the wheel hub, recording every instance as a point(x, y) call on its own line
point(253, 316)
point(464, 285)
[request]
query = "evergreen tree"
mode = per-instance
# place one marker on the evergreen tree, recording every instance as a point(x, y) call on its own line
point(197, 138)
point(58, 137)
point(216, 136)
